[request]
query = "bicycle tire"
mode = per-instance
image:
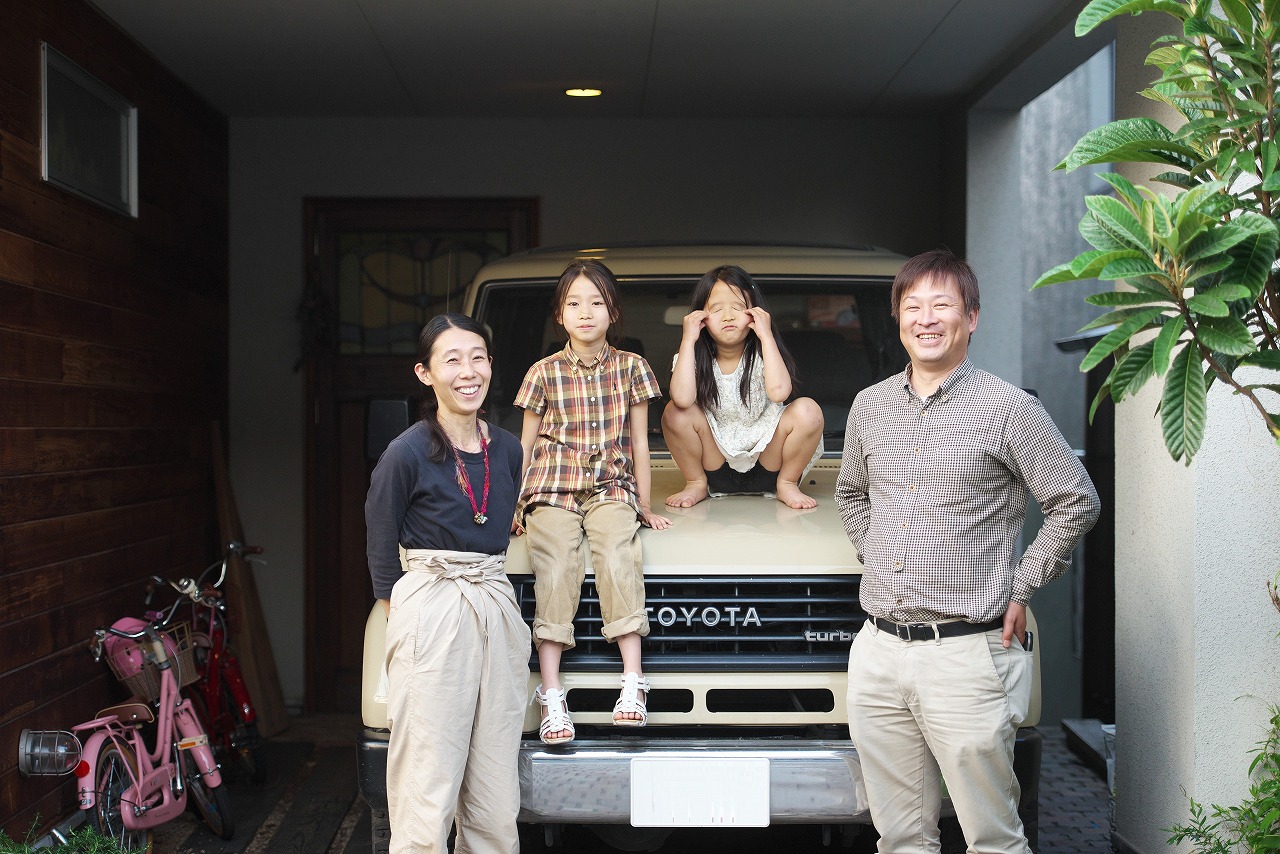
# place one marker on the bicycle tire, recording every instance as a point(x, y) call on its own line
point(112, 777)
point(244, 743)
point(210, 803)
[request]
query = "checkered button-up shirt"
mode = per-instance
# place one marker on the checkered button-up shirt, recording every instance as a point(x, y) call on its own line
point(933, 494)
point(584, 442)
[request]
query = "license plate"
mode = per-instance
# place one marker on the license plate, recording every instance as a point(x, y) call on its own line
point(699, 792)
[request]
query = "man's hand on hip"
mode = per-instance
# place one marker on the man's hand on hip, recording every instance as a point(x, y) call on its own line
point(1015, 622)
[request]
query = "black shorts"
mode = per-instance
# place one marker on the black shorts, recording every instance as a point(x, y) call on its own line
point(729, 481)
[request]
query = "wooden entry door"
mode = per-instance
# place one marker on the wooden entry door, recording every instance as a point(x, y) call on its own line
point(377, 270)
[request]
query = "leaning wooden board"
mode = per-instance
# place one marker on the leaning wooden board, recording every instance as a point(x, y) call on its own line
point(249, 628)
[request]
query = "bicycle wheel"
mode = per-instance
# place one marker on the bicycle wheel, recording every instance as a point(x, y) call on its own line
point(236, 745)
point(212, 803)
point(115, 762)
point(245, 744)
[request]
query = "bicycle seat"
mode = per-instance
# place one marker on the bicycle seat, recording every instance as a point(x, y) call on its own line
point(129, 713)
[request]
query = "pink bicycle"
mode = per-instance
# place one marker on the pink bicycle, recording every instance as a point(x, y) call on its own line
point(127, 786)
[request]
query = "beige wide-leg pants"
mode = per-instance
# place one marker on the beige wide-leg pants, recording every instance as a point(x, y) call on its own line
point(457, 671)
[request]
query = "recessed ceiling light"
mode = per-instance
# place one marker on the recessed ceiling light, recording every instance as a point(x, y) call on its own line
point(583, 93)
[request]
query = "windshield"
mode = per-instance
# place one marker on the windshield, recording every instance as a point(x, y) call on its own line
point(838, 330)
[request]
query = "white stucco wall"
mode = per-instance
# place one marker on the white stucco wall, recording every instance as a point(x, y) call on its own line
point(1198, 660)
point(598, 181)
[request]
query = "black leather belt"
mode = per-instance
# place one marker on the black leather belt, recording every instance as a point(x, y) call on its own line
point(933, 631)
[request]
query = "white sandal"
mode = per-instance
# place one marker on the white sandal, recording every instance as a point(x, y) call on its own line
point(557, 719)
point(629, 701)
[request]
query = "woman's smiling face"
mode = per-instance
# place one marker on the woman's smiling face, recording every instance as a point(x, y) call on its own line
point(459, 371)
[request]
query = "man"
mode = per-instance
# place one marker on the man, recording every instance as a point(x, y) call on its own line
point(938, 461)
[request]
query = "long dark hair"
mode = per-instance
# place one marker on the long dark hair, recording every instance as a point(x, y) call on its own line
point(704, 350)
point(427, 410)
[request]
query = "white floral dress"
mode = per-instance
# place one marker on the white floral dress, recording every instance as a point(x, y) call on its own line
point(743, 430)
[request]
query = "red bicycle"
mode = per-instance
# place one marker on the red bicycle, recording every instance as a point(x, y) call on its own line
point(219, 695)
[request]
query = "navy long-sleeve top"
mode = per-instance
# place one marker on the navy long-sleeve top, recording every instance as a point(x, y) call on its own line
point(419, 504)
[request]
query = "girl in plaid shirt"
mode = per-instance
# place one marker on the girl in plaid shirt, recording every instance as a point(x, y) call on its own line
point(586, 485)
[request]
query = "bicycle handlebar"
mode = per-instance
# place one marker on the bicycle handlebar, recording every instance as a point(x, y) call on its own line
point(157, 625)
point(233, 548)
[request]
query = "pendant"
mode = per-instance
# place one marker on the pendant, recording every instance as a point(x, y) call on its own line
point(480, 518)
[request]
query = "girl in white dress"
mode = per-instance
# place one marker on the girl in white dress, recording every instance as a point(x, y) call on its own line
point(728, 425)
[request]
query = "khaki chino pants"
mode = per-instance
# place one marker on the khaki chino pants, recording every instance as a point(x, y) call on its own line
point(922, 711)
point(555, 541)
point(457, 671)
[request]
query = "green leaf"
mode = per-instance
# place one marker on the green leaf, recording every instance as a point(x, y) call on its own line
point(1271, 183)
point(1100, 11)
point(1176, 179)
point(1132, 371)
point(1118, 336)
point(1217, 240)
point(1207, 305)
point(1207, 268)
point(1086, 265)
point(1270, 156)
point(1109, 298)
point(1137, 140)
point(1227, 293)
point(1252, 258)
point(1226, 335)
point(1269, 359)
point(1112, 213)
point(1125, 268)
point(1182, 406)
point(1166, 341)
point(1114, 318)
point(1097, 236)
point(1124, 187)
point(1103, 394)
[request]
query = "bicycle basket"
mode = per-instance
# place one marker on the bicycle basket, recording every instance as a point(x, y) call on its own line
point(141, 676)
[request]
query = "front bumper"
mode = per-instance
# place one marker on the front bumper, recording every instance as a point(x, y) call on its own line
point(589, 781)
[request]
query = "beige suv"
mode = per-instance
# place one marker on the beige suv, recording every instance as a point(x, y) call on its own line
point(752, 605)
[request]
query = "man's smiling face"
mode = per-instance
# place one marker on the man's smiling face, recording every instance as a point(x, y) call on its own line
point(934, 325)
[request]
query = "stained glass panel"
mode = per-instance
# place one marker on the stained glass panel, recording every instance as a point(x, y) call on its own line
point(391, 282)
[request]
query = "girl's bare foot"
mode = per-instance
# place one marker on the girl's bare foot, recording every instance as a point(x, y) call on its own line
point(789, 494)
point(692, 493)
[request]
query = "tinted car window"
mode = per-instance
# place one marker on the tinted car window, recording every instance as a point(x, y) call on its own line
point(839, 331)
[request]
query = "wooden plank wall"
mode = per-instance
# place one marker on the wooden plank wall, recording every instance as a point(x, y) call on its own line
point(113, 363)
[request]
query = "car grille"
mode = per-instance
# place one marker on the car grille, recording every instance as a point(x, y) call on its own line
point(725, 623)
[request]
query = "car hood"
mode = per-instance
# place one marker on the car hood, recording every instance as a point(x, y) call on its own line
point(737, 533)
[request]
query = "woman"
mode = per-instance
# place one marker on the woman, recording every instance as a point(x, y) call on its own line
point(457, 650)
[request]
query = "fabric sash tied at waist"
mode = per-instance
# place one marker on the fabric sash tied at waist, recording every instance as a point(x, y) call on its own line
point(476, 567)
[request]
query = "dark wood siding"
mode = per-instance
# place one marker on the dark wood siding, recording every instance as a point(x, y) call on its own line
point(113, 363)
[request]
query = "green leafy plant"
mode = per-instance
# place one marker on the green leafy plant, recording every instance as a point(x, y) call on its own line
point(1200, 262)
point(86, 840)
point(1254, 824)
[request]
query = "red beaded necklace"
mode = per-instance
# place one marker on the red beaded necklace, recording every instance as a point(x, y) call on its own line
point(480, 518)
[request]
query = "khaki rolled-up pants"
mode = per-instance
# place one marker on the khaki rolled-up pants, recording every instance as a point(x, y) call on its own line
point(457, 672)
point(555, 540)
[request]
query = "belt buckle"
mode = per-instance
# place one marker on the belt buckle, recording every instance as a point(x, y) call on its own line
point(903, 631)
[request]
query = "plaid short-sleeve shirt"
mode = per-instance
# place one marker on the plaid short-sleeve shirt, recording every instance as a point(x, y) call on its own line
point(584, 442)
point(933, 494)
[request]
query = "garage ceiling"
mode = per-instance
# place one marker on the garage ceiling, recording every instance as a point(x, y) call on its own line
point(652, 58)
